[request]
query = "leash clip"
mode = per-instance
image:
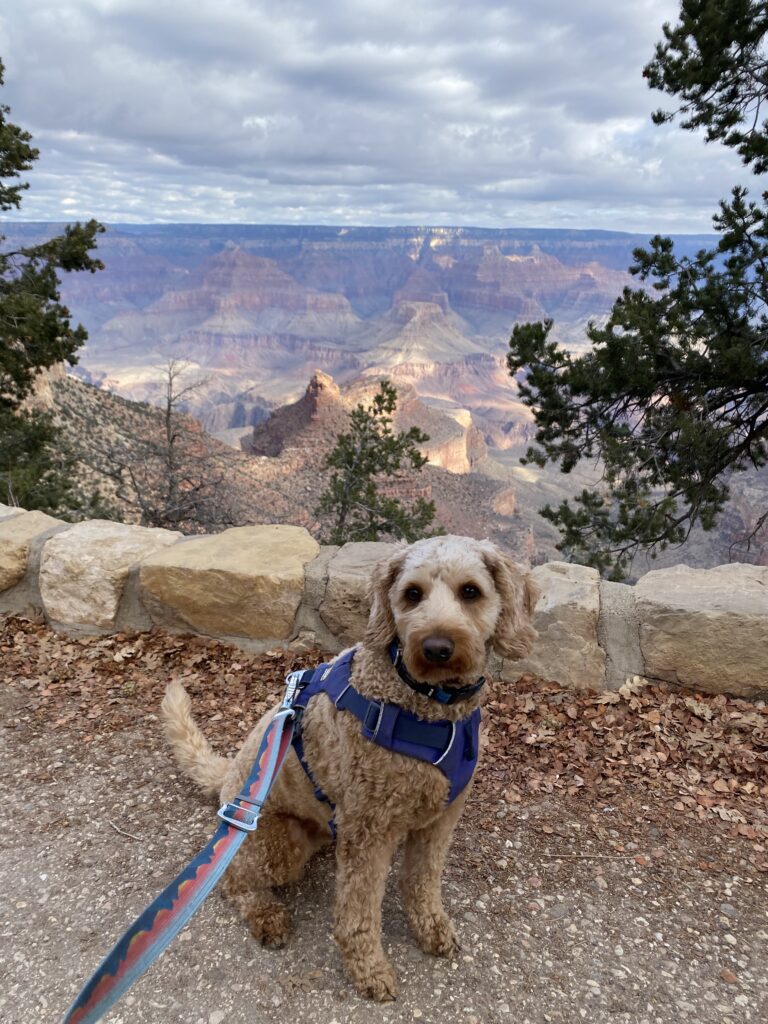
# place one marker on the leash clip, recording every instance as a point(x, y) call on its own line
point(292, 685)
point(241, 817)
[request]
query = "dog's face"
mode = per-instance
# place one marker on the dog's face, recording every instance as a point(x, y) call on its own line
point(449, 599)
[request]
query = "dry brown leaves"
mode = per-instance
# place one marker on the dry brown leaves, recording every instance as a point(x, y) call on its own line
point(96, 685)
point(704, 756)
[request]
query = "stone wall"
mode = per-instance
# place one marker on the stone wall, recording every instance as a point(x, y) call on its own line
point(260, 586)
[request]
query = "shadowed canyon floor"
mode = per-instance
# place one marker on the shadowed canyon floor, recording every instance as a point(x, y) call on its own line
point(611, 865)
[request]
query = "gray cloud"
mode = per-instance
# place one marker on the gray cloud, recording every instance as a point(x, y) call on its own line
point(353, 111)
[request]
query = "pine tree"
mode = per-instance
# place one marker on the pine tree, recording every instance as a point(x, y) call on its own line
point(35, 333)
point(672, 398)
point(364, 456)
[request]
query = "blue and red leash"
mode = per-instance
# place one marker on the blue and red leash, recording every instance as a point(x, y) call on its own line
point(156, 927)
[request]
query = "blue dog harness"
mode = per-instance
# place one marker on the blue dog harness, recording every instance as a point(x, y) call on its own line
point(450, 746)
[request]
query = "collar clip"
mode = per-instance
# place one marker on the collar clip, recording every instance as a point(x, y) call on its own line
point(437, 693)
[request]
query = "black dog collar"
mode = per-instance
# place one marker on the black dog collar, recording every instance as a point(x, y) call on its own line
point(437, 693)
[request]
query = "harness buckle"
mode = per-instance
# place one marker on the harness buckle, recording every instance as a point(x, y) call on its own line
point(241, 817)
point(373, 716)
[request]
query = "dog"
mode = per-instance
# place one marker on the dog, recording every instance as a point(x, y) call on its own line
point(448, 601)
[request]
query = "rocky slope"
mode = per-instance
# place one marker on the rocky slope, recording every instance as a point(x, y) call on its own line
point(477, 491)
point(289, 449)
point(281, 474)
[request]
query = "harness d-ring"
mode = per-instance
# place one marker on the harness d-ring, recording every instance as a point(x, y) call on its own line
point(450, 744)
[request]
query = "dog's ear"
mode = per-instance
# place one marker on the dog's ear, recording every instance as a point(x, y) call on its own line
point(381, 628)
point(514, 634)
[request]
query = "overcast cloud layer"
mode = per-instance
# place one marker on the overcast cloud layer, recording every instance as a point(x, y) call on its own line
point(358, 112)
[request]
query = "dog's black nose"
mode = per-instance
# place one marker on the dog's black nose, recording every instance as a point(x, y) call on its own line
point(437, 649)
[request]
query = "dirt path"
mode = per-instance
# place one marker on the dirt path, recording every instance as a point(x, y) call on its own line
point(567, 910)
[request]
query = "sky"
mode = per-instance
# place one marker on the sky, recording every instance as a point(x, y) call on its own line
point(430, 112)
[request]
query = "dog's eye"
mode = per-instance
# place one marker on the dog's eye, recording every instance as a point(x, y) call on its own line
point(469, 592)
point(412, 595)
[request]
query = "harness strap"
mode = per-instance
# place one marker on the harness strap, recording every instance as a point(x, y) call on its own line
point(450, 746)
point(155, 928)
point(320, 794)
point(374, 715)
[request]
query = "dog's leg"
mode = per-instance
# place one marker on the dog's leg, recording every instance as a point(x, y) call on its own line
point(275, 854)
point(420, 882)
point(363, 857)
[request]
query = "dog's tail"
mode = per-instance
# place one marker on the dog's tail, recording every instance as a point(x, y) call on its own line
point(194, 754)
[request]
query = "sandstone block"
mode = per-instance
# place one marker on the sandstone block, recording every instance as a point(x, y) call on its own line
point(567, 612)
point(16, 535)
point(706, 628)
point(246, 582)
point(7, 511)
point(619, 634)
point(345, 607)
point(83, 570)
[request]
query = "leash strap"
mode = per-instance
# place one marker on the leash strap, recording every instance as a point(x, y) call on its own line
point(155, 928)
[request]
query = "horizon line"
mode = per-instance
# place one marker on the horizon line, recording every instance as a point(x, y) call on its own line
point(343, 228)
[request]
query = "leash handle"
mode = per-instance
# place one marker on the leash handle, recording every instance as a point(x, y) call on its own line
point(156, 927)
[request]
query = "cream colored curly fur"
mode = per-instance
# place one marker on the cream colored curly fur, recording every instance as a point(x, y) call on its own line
point(383, 799)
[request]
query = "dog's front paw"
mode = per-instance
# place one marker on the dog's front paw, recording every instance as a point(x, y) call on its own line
point(270, 923)
point(374, 980)
point(435, 934)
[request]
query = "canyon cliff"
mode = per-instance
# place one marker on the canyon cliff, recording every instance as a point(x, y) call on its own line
point(256, 310)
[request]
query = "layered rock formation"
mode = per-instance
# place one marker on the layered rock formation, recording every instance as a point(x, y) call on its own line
point(260, 308)
point(321, 414)
point(257, 309)
point(291, 445)
point(280, 476)
point(310, 424)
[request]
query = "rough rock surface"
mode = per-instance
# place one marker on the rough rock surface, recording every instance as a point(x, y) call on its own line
point(84, 570)
point(345, 607)
point(245, 582)
point(618, 633)
point(318, 411)
point(566, 618)
point(706, 628)
point(16, 535)
point(8, 511)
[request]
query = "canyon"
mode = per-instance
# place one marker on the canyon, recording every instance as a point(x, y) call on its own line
point(255, 310)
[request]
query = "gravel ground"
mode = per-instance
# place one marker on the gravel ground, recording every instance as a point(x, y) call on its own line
point(555, 924)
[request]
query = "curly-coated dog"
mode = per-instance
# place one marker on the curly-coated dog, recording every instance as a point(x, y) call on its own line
point(437, 608)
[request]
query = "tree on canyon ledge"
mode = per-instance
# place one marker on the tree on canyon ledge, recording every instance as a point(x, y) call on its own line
point(673, 396)
point(36, 333)
point(366, 455)
point(175, 476)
